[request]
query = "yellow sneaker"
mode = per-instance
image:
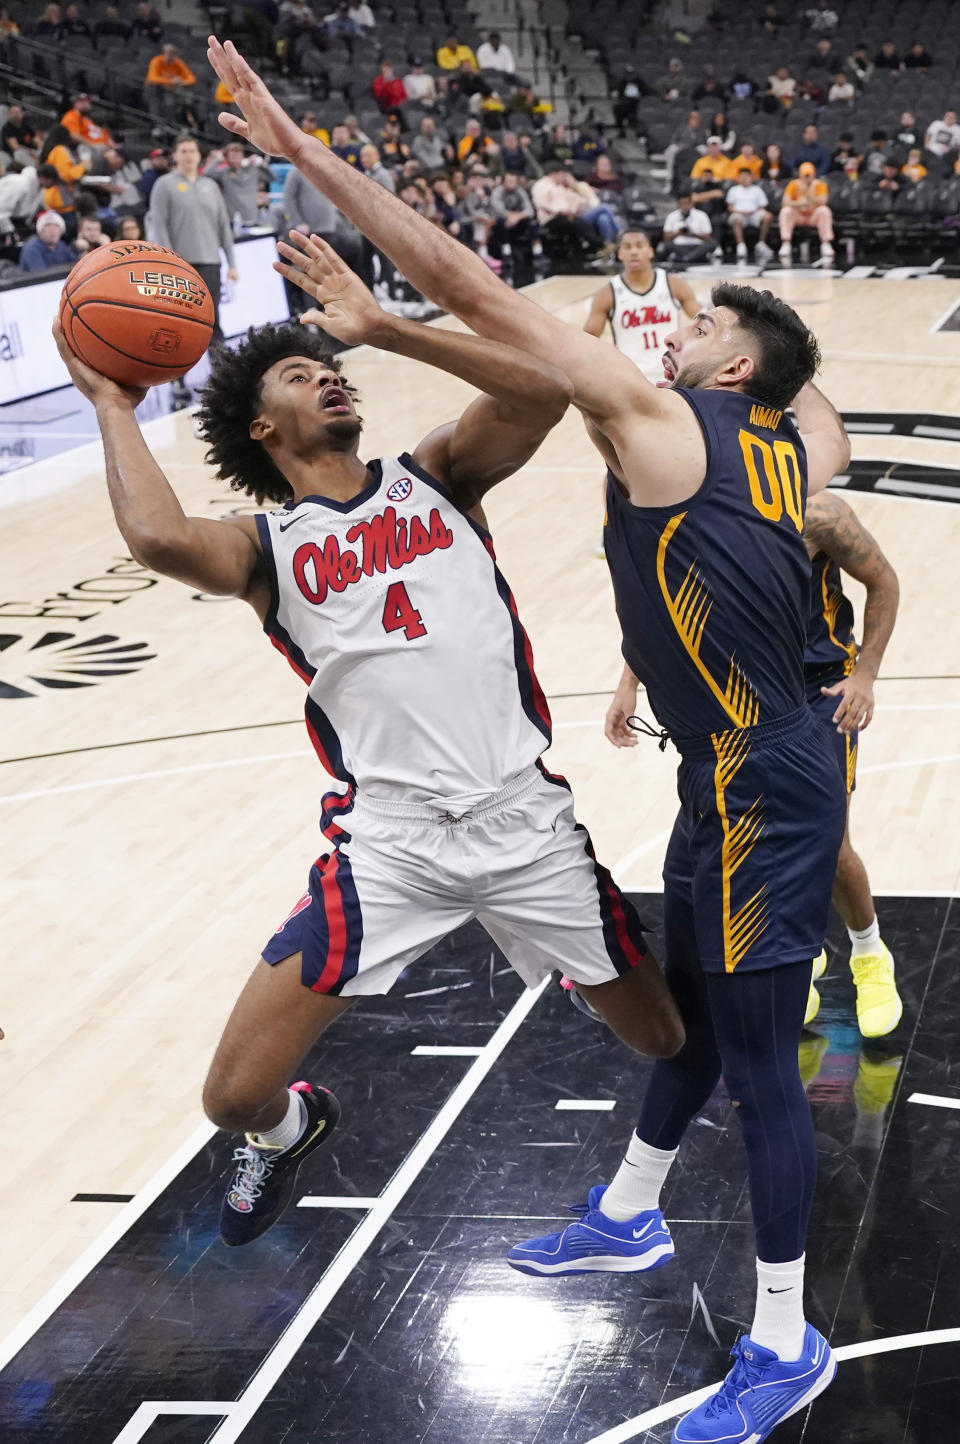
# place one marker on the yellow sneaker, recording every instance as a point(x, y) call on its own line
point(879, 1008)
point(810, 1056)
point(820, 965)
point(813, 1006)
point(876, 1080)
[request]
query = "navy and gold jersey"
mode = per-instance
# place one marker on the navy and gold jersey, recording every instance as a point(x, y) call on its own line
point(831, 646)
point(713, 594)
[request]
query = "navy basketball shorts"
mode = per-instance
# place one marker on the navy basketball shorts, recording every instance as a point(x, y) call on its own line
point(751, 862)
point(843, 744)
point(400, 876)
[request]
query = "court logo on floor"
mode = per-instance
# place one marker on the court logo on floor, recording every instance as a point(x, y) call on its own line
point(55, 661)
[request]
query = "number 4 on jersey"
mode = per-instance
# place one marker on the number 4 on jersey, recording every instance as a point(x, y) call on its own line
point(399, 613)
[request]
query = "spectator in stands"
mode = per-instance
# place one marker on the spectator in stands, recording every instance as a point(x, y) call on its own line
point(741, 86)
point(771, 20)
point(117, 193)
point(494, 55)
point(344, 147)
point(339, 25)
point(8, 27)
point(111, 27)
point(156, 165)
point(238, 177)
point(805, 203)
point(842, 91)
point(388, 89)
point(909, 134)
point(604, 179)
point(813, 150)
point(56, 194)
point(943, 135)
point(687, 233)
point(728, 136)
point(775, 167)
point(747, 205)
point(307, 210)
point(781, 88)
point(430, 149)
point(557, 195)
point(90, 235)
point(130, 229)
point(19, 196)
point(16, 137)
point(167, 78)
point(82, 127)
point(709, 195)
point(310, 125)
point(48, 247)
point(50, 24)
point(845, 154)
point(810, 89)
point(877, 153)
point(888, 57)
point(452, 54)
point(859, 65)
point(394, 150)
point(58, 150)
point(914, 170)
point(188, 214)
point(525, 102)
point(714, 163)
point(375, 168)
point(824, 57)
point(676, 84)
point(691, 135)
point(146, 23)
point(709, 92)
point(588, 146)
point(917, 58)
point(627, 93)
point(748, 160)
point(362, 16)
point(357, 136)
point(475, 144)
point(889, 178)
point(74, 26)
point(447, 205)
point(822, 19)
point(557, 149)
point(419, 85)
point(518, 159)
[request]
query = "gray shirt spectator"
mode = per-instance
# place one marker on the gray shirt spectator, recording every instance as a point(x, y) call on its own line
point(188, 214)
point(511, 198)
point(429, 147)
point(306, 208)
point(239, 180)
point(376, 170)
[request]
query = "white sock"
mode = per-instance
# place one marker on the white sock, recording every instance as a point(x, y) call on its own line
point(288, 1130)
point(638, 1181)
point(867, 941)
point(778, 1323)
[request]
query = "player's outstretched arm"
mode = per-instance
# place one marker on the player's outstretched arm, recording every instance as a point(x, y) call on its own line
point(523, 398)
point(834, 528)
point(824, 437)
point(606, 385)
point(212, 556)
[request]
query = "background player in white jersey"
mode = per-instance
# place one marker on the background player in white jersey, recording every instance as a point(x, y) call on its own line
point(643, 306)
point(379, 584)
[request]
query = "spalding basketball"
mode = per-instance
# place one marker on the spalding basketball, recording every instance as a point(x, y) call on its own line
point(136, 312)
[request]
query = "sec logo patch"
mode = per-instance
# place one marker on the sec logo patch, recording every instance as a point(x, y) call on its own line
point(400, 490)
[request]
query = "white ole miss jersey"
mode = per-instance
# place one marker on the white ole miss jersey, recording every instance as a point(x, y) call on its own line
point(642, 320)
point(392, 609)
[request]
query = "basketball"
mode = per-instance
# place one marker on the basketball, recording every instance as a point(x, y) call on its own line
point(136, 312)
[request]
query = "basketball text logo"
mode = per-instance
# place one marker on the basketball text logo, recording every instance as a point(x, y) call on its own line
point(169, 287)
point(386, 542)
point(646, 316)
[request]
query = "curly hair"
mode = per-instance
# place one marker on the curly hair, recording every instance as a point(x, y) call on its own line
point(789, 355)
point(231, 400)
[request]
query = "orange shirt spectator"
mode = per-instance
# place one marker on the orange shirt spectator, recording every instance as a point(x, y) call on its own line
point(806, 192)
point(747, 160)
point(169, 70)
point(79, 124)
point(56, 150)
point(914, 170)
point(452, 54)
point(718, 165)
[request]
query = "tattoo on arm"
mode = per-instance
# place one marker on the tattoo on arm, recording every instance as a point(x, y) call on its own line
point(834, 528)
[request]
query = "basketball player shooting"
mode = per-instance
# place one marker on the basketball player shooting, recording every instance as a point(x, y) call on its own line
point(708, 482)
point(378, 583)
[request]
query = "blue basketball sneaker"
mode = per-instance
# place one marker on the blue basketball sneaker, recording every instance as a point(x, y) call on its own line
point(596, 1244)
point(759, 1392)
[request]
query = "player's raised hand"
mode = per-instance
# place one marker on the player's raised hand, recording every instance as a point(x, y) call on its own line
point(349, 312)
point(265, 123)
point(96, 388)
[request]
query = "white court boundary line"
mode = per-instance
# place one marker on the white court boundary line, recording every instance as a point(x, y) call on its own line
point(151, 1409)
point(115, 1230)
point(329, 1285)
point(665, 1412)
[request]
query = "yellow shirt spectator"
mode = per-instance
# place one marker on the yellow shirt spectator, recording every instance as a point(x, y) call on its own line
point(806, 193)
point(752, 163)
point(718, 165)
point(914, 170)
point(451, 57)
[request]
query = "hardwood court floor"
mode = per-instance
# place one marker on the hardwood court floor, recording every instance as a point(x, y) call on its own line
point(159, 821)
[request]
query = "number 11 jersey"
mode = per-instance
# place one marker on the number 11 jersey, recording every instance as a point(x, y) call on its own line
point(392, 609)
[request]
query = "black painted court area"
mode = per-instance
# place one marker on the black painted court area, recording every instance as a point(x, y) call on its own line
point(433, 1339)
